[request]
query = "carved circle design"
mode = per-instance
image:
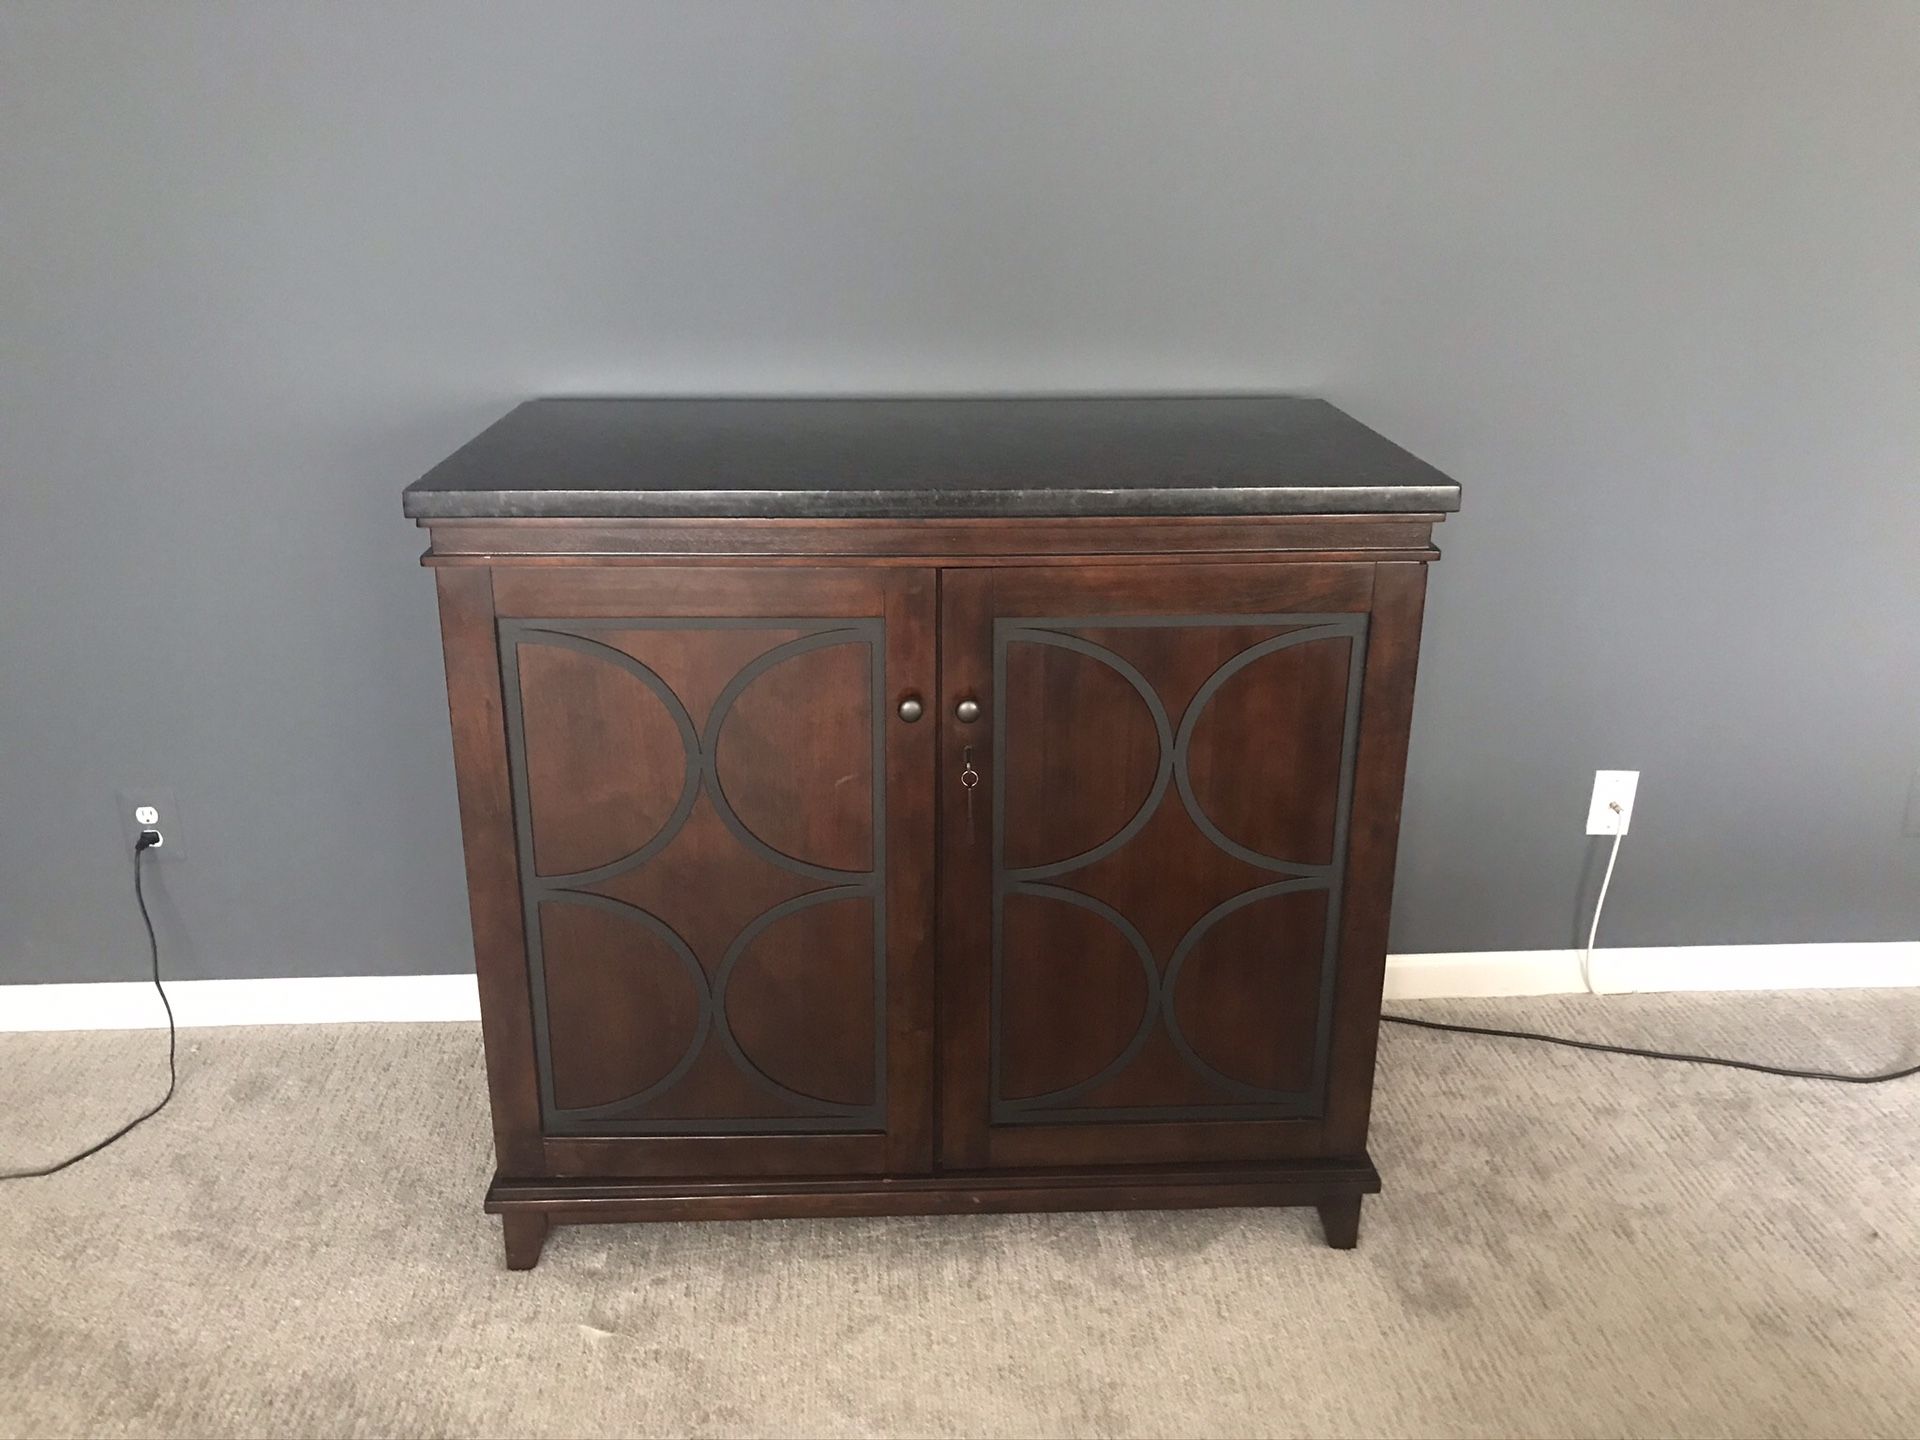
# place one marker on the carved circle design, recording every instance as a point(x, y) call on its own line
point(806, 796)
point(1142, 1033)
point(724, 976)
point(1171, 983)
point(689, 740)
point(1201, 699)
point(700, 753)
point(1077, 980)
point(700, 750)
point(717, 720)
point(1163, 729)
point(703, 998)
point(1301, 877)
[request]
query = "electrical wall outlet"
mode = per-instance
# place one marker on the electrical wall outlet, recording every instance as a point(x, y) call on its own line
point(1612, 788)
point(151, 807)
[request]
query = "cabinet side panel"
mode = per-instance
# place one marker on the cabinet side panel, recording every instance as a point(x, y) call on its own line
point(493, 881)
point(1386, 715)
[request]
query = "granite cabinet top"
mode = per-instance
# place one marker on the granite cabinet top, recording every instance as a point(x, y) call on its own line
point(932, 458)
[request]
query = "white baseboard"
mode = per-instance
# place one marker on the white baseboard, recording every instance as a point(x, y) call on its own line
point(333, 1000)
point(313, 1000)
point(1840, 966)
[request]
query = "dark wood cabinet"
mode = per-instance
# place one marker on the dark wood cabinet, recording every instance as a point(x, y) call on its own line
point(931, 862)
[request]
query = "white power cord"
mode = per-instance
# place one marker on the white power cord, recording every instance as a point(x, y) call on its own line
point(1599, 904)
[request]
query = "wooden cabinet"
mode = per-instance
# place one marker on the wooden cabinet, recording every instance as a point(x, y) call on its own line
point(883, 865)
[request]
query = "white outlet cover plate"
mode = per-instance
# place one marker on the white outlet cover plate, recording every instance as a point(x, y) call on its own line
point(1610, 788)
point(130, 801)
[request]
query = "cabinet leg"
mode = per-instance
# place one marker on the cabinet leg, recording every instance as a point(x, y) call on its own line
point(524, 1232)
point(1340, 1221)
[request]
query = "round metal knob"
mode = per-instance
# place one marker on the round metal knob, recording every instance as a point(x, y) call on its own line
point(911, 709)
point(967, 711)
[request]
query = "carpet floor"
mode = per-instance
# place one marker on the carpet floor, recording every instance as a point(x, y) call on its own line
point(1568, 1244)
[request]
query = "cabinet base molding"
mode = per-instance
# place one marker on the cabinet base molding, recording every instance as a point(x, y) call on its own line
point(528, 1208)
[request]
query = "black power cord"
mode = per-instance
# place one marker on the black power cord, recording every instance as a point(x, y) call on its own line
point(148, 839)
point(1787, 1070)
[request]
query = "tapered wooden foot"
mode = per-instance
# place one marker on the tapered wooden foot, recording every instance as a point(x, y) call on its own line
point(1340, 1220)
point(524, 1231)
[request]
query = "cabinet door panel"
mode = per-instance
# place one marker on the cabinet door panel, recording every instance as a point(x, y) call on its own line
point(724, 835)
point(1142, 913)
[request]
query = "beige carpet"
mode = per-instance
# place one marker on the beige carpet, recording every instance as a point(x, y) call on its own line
point(1568, 1245)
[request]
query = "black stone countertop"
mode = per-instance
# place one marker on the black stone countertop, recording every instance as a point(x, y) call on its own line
point(929, 458)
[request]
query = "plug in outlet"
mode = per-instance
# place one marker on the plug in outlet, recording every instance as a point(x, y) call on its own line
point(151, 807)
point(1610, 811)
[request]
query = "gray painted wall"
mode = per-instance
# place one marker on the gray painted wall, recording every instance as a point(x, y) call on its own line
point(1643, 277)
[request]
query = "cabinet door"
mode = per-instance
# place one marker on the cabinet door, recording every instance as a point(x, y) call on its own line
point(724, 836)
point(1163, 928)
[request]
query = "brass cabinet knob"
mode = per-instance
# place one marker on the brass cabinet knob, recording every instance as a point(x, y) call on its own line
point(967, 711)
point(911, 709)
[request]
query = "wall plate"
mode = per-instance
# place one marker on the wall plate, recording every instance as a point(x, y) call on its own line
point(159, 797)
point(1612, 787)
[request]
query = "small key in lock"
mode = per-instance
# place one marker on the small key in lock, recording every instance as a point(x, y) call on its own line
point(969, 782)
